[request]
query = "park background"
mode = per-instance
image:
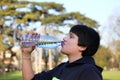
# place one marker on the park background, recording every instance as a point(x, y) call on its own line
point(54, 18)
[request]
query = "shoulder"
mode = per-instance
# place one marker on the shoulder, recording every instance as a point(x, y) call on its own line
point(60, 66)
point(91, 71)
point(47, 75)
point(89, 67)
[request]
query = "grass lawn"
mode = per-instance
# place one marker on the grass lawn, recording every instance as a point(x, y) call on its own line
point(111, 75)
point(107, 75)
point(16, 75)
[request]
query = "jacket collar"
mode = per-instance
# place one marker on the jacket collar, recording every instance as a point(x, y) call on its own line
point(84, 60)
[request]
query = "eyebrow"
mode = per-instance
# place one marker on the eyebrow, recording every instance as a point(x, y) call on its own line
point(71, 33)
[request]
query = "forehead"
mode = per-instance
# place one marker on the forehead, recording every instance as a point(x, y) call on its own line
point(73, 34)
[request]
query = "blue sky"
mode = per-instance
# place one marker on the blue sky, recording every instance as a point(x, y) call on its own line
point(98, 10)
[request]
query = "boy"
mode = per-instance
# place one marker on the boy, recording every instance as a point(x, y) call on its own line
point(81, 44)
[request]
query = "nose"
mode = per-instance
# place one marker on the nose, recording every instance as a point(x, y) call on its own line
point(65, 38)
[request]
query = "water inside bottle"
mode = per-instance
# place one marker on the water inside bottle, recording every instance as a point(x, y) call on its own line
point(40, 41)
point(45, 44)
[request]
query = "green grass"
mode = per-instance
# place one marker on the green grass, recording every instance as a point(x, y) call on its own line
point(111, 75)
point(17, 75)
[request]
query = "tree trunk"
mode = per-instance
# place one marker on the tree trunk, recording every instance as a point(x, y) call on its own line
point(3, 65)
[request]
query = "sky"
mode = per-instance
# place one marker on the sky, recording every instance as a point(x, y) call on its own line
point(98, 10)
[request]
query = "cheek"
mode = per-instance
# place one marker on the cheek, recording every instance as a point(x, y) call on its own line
point(67, 49)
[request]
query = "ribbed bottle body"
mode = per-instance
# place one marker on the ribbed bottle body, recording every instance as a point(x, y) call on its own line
point(40, 41)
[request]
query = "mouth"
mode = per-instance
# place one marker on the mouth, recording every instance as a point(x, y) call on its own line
point(62, 43)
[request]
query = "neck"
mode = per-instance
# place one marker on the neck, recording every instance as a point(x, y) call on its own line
point(73, 58)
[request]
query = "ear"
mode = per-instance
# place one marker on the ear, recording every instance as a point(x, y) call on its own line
point(82, 48)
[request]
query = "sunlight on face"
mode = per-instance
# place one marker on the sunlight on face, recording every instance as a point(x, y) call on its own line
point(70, 45)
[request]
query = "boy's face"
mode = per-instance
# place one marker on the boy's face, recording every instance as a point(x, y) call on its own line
point(70, 45)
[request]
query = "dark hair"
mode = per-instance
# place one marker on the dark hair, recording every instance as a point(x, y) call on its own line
point(87, 37)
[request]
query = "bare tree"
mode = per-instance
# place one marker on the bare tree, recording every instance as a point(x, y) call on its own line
point(111, 35)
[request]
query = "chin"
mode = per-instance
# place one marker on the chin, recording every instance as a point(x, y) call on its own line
point(63, 52)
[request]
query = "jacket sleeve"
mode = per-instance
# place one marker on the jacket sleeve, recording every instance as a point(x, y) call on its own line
point(43, 76)
point(48, 75)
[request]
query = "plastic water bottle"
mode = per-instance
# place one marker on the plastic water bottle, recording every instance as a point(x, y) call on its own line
point(40, 41)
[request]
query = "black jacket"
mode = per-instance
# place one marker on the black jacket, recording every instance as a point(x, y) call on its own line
point(82, 69)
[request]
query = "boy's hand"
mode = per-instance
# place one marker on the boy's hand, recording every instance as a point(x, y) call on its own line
point(27, 50)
